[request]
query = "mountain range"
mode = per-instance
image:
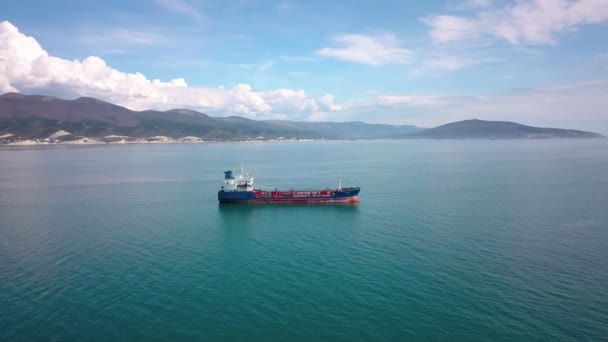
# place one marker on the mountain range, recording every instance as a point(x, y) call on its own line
point(481, 129)
point(43, 117)
point(35, 117)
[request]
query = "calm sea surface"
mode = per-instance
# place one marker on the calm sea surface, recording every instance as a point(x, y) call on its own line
point(452, 240)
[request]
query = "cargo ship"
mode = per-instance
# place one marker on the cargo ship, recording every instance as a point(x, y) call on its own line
point(240, 189)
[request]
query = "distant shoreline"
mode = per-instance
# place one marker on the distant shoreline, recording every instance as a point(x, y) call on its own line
point(39, 119)
point(146, 141)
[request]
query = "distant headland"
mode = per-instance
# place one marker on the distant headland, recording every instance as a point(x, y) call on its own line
point(36, 119)
point(481, 129)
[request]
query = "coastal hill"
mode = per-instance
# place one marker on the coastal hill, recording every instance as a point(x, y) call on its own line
point(40, 117)
point(355, 129)
point(50, 119)
point(480, 129)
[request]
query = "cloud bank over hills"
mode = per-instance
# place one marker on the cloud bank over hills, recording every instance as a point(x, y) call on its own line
point(26, 67)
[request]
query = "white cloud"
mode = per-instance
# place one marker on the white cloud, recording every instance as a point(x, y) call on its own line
point(123, 37)
point(478, 3)
point(524, 22)
point(410, 100)
point(378, 49)
point(181, 7)
point(439, 59)
point(26, 67)
point(260, 67)
point(450, 63)
point(577, 105)
point(122, 41)
point(445, 28)
point(602, 60)
point(472, 4)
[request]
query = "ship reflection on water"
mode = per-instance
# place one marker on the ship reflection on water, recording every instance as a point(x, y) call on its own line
point(244, 226)
point(238, 215)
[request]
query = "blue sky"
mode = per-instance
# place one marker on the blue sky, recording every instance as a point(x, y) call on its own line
point(539, 62)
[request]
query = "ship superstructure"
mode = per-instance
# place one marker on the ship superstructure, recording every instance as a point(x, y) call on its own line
point(240, 189)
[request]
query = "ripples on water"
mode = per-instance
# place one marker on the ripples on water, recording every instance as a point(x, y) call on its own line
point(452, 240)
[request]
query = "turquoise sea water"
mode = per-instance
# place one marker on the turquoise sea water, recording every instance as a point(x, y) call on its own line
point(452, 240)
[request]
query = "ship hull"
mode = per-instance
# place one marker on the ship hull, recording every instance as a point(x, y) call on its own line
point(342, 196)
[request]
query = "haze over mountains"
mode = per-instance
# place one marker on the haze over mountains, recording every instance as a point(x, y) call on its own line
point(35, 117)
point(44, 117)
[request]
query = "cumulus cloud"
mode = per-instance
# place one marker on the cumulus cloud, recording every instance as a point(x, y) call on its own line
point(378, 49)
point(523, 22)
point(26, 67)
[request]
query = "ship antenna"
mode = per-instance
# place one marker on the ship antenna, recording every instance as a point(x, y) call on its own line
point(340, 185)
